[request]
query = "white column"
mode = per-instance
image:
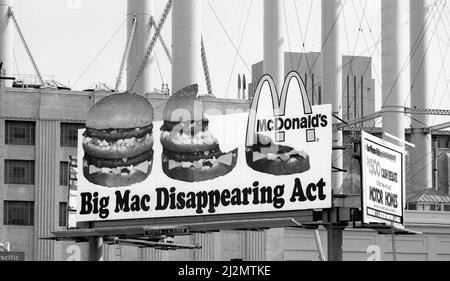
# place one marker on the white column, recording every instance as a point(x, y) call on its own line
point(332, 77)
point(421, 156)
point(186, 44)
point(395, 52)
point(274, 41)
point(6, 39)
point(274, 66)
point(143, 10)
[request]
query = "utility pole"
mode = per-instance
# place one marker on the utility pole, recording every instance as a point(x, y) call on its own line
point(95, 249)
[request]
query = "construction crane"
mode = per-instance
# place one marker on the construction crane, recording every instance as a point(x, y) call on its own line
point(206, 69)
point(11, 13)
point(126, 53)
point(152, 42)
point(161, 40)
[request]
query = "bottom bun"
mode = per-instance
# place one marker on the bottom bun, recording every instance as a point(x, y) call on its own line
point(111, 180)
point(193, 174)
point(278, 167)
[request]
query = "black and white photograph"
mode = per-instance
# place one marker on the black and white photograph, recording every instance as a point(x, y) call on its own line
point(214, 139)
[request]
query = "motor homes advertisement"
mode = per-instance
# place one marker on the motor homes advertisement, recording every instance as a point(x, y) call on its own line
point(275, 157)
point(383, 181)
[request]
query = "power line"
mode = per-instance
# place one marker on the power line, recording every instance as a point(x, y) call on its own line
point(240, 42)
point(424, 55)
point(228, 36)
point(98, 54)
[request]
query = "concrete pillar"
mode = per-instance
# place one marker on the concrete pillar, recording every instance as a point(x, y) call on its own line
point(96, 249)
point(421, 157)
point(332, 77)
point(186, 44)
point(46, 175)
point(274, 65)
point(143, 10)
point(395, 79)
point(274, 42)
point(6, 40)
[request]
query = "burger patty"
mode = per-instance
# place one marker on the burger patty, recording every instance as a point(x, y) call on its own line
point(192, 156)
point(276, 149)
point(169, 126)
point(112, 135)
point(266, 146)
point(114, 163)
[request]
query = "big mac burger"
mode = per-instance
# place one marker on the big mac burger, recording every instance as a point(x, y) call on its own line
point(118, 141)
point(190, 152)
point(270, 158)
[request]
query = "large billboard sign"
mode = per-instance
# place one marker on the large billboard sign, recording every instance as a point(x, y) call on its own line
point(196, 162)
point(383, 181)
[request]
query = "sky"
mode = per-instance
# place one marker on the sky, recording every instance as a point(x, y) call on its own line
point(80, 42)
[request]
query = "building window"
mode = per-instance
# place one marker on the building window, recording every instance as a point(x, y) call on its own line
point(64, 173)
point(62, 214)
point(69, 134)
point(412, 206)
point(19, 172)
point(18, 213)
point(20, 132)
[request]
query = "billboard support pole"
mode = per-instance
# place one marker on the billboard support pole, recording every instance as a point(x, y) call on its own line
point(335, 221)
point(334, 242)
point(96, 249)
point(394, 251)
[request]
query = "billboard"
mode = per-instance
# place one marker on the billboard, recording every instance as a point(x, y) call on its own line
point(383, 181)
point(196, 162)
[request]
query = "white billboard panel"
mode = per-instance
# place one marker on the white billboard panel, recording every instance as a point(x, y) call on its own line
point(383, 182)
point(276, 157)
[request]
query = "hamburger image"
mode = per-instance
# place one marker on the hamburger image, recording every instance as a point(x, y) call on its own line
point(118, 141)
point(190, 152)
point(266, 157)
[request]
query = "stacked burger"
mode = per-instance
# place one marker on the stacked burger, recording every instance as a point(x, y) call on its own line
point(190, 152)
point(118, 141)
point(270, 158)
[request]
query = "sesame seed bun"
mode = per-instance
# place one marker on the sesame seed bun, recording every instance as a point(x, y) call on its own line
point(120, 111)
point(184, 106)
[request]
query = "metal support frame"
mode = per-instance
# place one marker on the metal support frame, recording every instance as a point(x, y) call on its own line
point(206, 69)
point(405, 110)
point(319, 245)
point(152, 42)
point(161, 40)
point(126, 53)
point(41, 80)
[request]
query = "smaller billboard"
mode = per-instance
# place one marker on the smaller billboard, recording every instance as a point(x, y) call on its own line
point(383, 166)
